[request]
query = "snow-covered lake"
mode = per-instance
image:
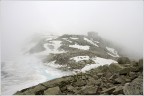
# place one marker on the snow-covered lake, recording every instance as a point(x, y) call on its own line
point(25, 71)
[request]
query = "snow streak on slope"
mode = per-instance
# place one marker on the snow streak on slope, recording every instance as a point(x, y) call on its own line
point(74, 38)
point(90, 42)
point(112, 51)
point(98, 62)
point(80, 47)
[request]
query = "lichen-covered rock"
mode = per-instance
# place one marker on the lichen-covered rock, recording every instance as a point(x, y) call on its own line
point(109, 90)
point(140, 64)
point(124, 71)
point(105, 80)
point(114, 68)
point(123, 60)
point(88, 90)
point(118, 90)
point(52, 91)
point(135, 87)
point(36, 90)
point(119, 80)
point(58, 81)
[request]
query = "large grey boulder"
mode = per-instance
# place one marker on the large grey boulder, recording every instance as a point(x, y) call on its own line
point(109, 90)
point(135, 87)
point(88, 90)
point(123, 60)
point(118, 90)
point(52, 91)
point(140, 64)
point(114, 68)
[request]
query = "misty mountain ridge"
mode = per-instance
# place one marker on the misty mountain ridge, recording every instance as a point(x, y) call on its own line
point(97, 67)
point(75, 52)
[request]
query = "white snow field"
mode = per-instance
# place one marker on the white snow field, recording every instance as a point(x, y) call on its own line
point(80, 47)
point(74, 38)
point(98, 62)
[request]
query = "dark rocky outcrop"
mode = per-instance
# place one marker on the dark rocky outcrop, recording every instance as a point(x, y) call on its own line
point(108, 79)
point(123, 60)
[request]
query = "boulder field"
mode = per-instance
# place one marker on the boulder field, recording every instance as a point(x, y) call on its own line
point(113, 79)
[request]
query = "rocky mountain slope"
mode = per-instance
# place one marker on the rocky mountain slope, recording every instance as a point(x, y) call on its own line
point(116, 79)
point(98, 68)
point(74, 52)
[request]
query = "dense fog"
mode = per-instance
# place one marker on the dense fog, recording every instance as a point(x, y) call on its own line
point(118, 21)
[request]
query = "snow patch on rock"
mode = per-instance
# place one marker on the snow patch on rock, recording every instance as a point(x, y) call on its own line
point(113, 51)
point(80, 47)
point(98, 62)
point(90, 42)
point(80, 58)
point(74, 38)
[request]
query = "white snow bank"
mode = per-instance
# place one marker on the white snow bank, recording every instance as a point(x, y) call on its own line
point(90, 41)
point(74, 38)
point(80, 58)
point(113, 51)
point(80, 47)
point(56, 44)
point(98, 62)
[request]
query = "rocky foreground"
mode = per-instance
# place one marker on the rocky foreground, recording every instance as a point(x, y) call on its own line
point(125, 78)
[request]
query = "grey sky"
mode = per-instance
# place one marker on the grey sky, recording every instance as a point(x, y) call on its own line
point(119, 21)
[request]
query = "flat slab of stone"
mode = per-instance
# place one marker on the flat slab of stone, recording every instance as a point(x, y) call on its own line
point(52, 91)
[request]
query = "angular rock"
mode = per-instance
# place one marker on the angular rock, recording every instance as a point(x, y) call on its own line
point(91, 81)
point(53, 91)
point(134, 63)
point(140, 64)
point(135, 87)
point(133, 75)
point(69, 87)
point(124, 71)
point(114, 76)
point(56, 82)
point(109, 90)
point(100, 74)
point(88, 90)
point(80, 83)
point(36, 90)
point(118, 90)
point(114, 68)
point(123, 60)
point(134, 69)
point(119, 80)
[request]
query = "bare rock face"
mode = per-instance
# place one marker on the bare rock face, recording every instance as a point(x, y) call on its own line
point(52, 91)
point(135, 87)
point(123, 60)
